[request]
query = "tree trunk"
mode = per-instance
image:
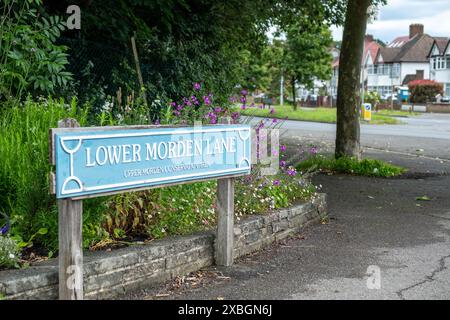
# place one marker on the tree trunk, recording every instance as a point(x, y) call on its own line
point(293, 93)
point(348, 99)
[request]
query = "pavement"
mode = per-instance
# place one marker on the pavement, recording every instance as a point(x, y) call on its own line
point(380, 241)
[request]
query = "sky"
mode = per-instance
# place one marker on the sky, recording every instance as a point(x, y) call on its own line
point(394, 19)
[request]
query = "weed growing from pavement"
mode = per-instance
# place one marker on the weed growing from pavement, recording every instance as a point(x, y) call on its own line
point(365, 167)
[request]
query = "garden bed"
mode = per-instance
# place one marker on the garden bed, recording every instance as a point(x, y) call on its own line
point(109, 273)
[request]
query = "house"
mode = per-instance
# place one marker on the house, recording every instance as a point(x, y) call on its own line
point(371, 48)
point(401, 61)
point(439, 57)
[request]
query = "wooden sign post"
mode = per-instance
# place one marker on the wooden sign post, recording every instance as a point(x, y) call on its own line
point(70, 225)
point(98, 161)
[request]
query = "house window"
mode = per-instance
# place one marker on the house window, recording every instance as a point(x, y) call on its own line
point(447, 90)
point(447, 58)
point(433, 63)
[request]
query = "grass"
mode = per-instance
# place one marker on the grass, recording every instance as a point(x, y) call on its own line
point(365, 167)
point(327, 115)
point(396, 113)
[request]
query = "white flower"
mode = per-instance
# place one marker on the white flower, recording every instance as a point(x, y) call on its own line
point(11, 256)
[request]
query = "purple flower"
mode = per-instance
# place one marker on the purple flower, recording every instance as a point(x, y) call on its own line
point(244, 92)
point(283, 148)
point(177, 113)
point(313, 150)
point(4, 229)
point(179, 107)
point(243, 99)
point(207, 100)
point(272, 111)
point(197, 86)
point(173, 104)
point(217, 109)
point(274, 152)
point(194, 100)
point(243, 107)
point(187, 102)
point(282, 163)
point(276, 182)
point(235, 115)
point(274, 120)
point(232, 99)
point(291, 172)
point(156, 122)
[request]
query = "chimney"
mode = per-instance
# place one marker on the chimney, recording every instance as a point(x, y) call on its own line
point(369, 38)
point(415, 29)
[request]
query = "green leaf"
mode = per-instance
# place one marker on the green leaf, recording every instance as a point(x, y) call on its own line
point(423, 198)
point(42, 231)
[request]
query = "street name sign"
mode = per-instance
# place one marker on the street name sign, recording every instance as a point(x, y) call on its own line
point(94, 162)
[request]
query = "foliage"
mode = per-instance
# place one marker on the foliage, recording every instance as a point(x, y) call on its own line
point(372, 97)
point(307, 53)
point(30, 61)
point(259, 194)
point(9, 253)
point(423, 91)
point(365, 167)
point(25, 167)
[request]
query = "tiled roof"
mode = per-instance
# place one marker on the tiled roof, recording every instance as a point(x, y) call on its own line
point(371, 47)
point(441, 43)
point(415, 50)
point(398, 42)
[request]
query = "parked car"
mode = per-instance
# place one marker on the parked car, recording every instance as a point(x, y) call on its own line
point(389, 96)
point(445, 99)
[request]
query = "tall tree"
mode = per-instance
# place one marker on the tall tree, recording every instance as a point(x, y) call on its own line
point(348, 101)
point(307, 54)
point(357, 15)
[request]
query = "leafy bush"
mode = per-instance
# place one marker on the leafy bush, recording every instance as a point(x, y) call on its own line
point(365, 167)
point(30, 61)
point(423, 91)
point(9, 253)
point(25, 167)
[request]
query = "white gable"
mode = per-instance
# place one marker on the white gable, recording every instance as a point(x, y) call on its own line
point(434, 50)
point(448, 49)
point(380, 59)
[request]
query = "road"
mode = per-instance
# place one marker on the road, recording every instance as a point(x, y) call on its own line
point(380, 241)
point(412, 135)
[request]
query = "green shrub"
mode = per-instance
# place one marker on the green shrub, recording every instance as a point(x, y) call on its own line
point(9, 253)
point(30, 61)
point(423, 91)
point(365, 167)
point(25, 166)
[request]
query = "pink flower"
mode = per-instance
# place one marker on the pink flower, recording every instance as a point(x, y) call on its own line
point(197, 86)
point(276, 182)
point(283, 148)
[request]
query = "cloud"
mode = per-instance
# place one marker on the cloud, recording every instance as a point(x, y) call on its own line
point(394, 19)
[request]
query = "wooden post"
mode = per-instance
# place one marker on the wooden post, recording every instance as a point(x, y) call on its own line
point(225, 224)
point(70, 225)
point(138, 68)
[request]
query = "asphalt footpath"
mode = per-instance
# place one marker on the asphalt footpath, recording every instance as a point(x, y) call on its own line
point(380, 242)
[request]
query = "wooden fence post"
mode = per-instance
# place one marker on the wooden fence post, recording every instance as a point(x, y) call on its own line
point(70, 225)
point(225, 224)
